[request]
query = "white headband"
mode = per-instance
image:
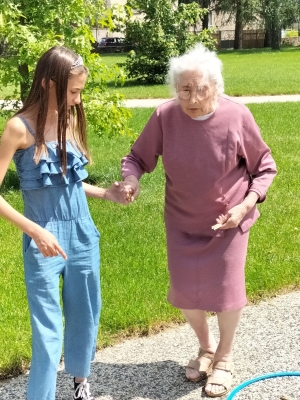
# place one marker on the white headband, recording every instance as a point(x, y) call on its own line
point(77, 63)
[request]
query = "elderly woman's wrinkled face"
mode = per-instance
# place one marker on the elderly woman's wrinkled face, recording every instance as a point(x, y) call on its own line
point(194, 94)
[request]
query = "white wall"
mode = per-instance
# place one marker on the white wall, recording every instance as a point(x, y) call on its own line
point(104, 32)
point(110, 3)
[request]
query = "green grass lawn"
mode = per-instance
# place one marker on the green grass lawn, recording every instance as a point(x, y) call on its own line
point(246, 73)
point(261, 72)
point(6, 91)
point(133, 253)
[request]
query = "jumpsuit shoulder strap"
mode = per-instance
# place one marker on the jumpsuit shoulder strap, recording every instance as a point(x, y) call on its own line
point(25, 122)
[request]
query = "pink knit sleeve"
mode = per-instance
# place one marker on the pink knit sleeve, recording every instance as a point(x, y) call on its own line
point(259, 162)
point(145, 151)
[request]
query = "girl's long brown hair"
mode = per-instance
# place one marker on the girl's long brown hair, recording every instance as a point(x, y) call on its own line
point(55, 65)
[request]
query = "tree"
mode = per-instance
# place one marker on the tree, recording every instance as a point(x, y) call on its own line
point(202, 3)
point(30, 27)
point(205, 4)
point(164, 32)
point(274, 14)
point(242, 11)
point(278, 14)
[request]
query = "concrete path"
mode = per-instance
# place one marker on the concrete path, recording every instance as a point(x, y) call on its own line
point(132, 103)
point(9, 104)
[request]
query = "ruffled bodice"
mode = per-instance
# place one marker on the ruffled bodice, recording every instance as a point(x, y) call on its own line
point(49, 195)
point(48, 171)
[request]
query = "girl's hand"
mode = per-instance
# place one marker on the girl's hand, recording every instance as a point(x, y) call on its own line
point(118, 193)
point(47, 243)
point(123, 192)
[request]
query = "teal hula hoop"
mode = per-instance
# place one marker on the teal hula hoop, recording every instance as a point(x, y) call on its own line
point(260, 378)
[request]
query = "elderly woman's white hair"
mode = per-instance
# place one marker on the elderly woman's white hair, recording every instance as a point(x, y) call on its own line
point(199, 58)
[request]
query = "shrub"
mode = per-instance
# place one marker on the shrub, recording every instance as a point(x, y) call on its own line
point(31, 27)
point(164, 32)
point(291, 33)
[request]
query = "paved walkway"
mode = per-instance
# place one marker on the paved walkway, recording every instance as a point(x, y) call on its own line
point(133, 103)
point(245, 100)
point(152, 368)
point(9, 104)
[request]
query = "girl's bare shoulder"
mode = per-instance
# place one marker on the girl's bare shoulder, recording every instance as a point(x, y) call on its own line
point(15, 131)
point(16, 126)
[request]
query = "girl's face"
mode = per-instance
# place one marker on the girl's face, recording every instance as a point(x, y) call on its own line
point(75, 85)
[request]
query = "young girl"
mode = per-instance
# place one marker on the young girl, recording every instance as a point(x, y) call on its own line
point(47, 141)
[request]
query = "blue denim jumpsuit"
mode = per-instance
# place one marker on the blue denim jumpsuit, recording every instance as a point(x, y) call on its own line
point(58, 203)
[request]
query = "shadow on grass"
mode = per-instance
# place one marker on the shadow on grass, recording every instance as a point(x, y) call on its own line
point(10, 182)
point(99, 178)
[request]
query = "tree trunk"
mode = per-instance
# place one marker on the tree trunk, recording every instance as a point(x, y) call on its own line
point(267, 41)
point(275, 36)
point(205, 4)
point(24, 71)
point(25, 84)
point(238, 34)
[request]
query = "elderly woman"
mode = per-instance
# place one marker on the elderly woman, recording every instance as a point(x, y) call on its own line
point(217, 167)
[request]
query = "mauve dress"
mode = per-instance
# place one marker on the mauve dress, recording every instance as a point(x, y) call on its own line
point(210, 165)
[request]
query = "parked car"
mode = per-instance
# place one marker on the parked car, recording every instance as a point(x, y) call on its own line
point(112, 45)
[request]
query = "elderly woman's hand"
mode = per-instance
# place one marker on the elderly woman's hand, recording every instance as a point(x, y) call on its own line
point(124, 192)
point(117, 193)
point(131, 187)
point(233, 217)
point(237, 213)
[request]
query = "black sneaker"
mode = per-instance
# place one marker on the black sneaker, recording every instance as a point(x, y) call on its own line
point(82, 391)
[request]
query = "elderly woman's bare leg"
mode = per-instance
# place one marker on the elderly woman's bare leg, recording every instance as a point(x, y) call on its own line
point(228, 323)
point(198, 322)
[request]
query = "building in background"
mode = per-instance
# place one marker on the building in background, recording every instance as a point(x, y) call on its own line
point(99, 33)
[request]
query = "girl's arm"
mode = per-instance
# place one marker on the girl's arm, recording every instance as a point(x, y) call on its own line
point(117, 192)
point(13, 138)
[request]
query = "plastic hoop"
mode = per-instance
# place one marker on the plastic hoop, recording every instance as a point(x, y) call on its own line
point(260, 378)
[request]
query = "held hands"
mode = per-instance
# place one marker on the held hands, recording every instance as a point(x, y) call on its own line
point(232, 218)
point(47, 243)
point(131, 187)
point(124, 192)
point(116, 193)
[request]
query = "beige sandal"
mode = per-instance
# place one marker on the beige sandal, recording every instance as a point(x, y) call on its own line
point(202, 364)
point(225, 380)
